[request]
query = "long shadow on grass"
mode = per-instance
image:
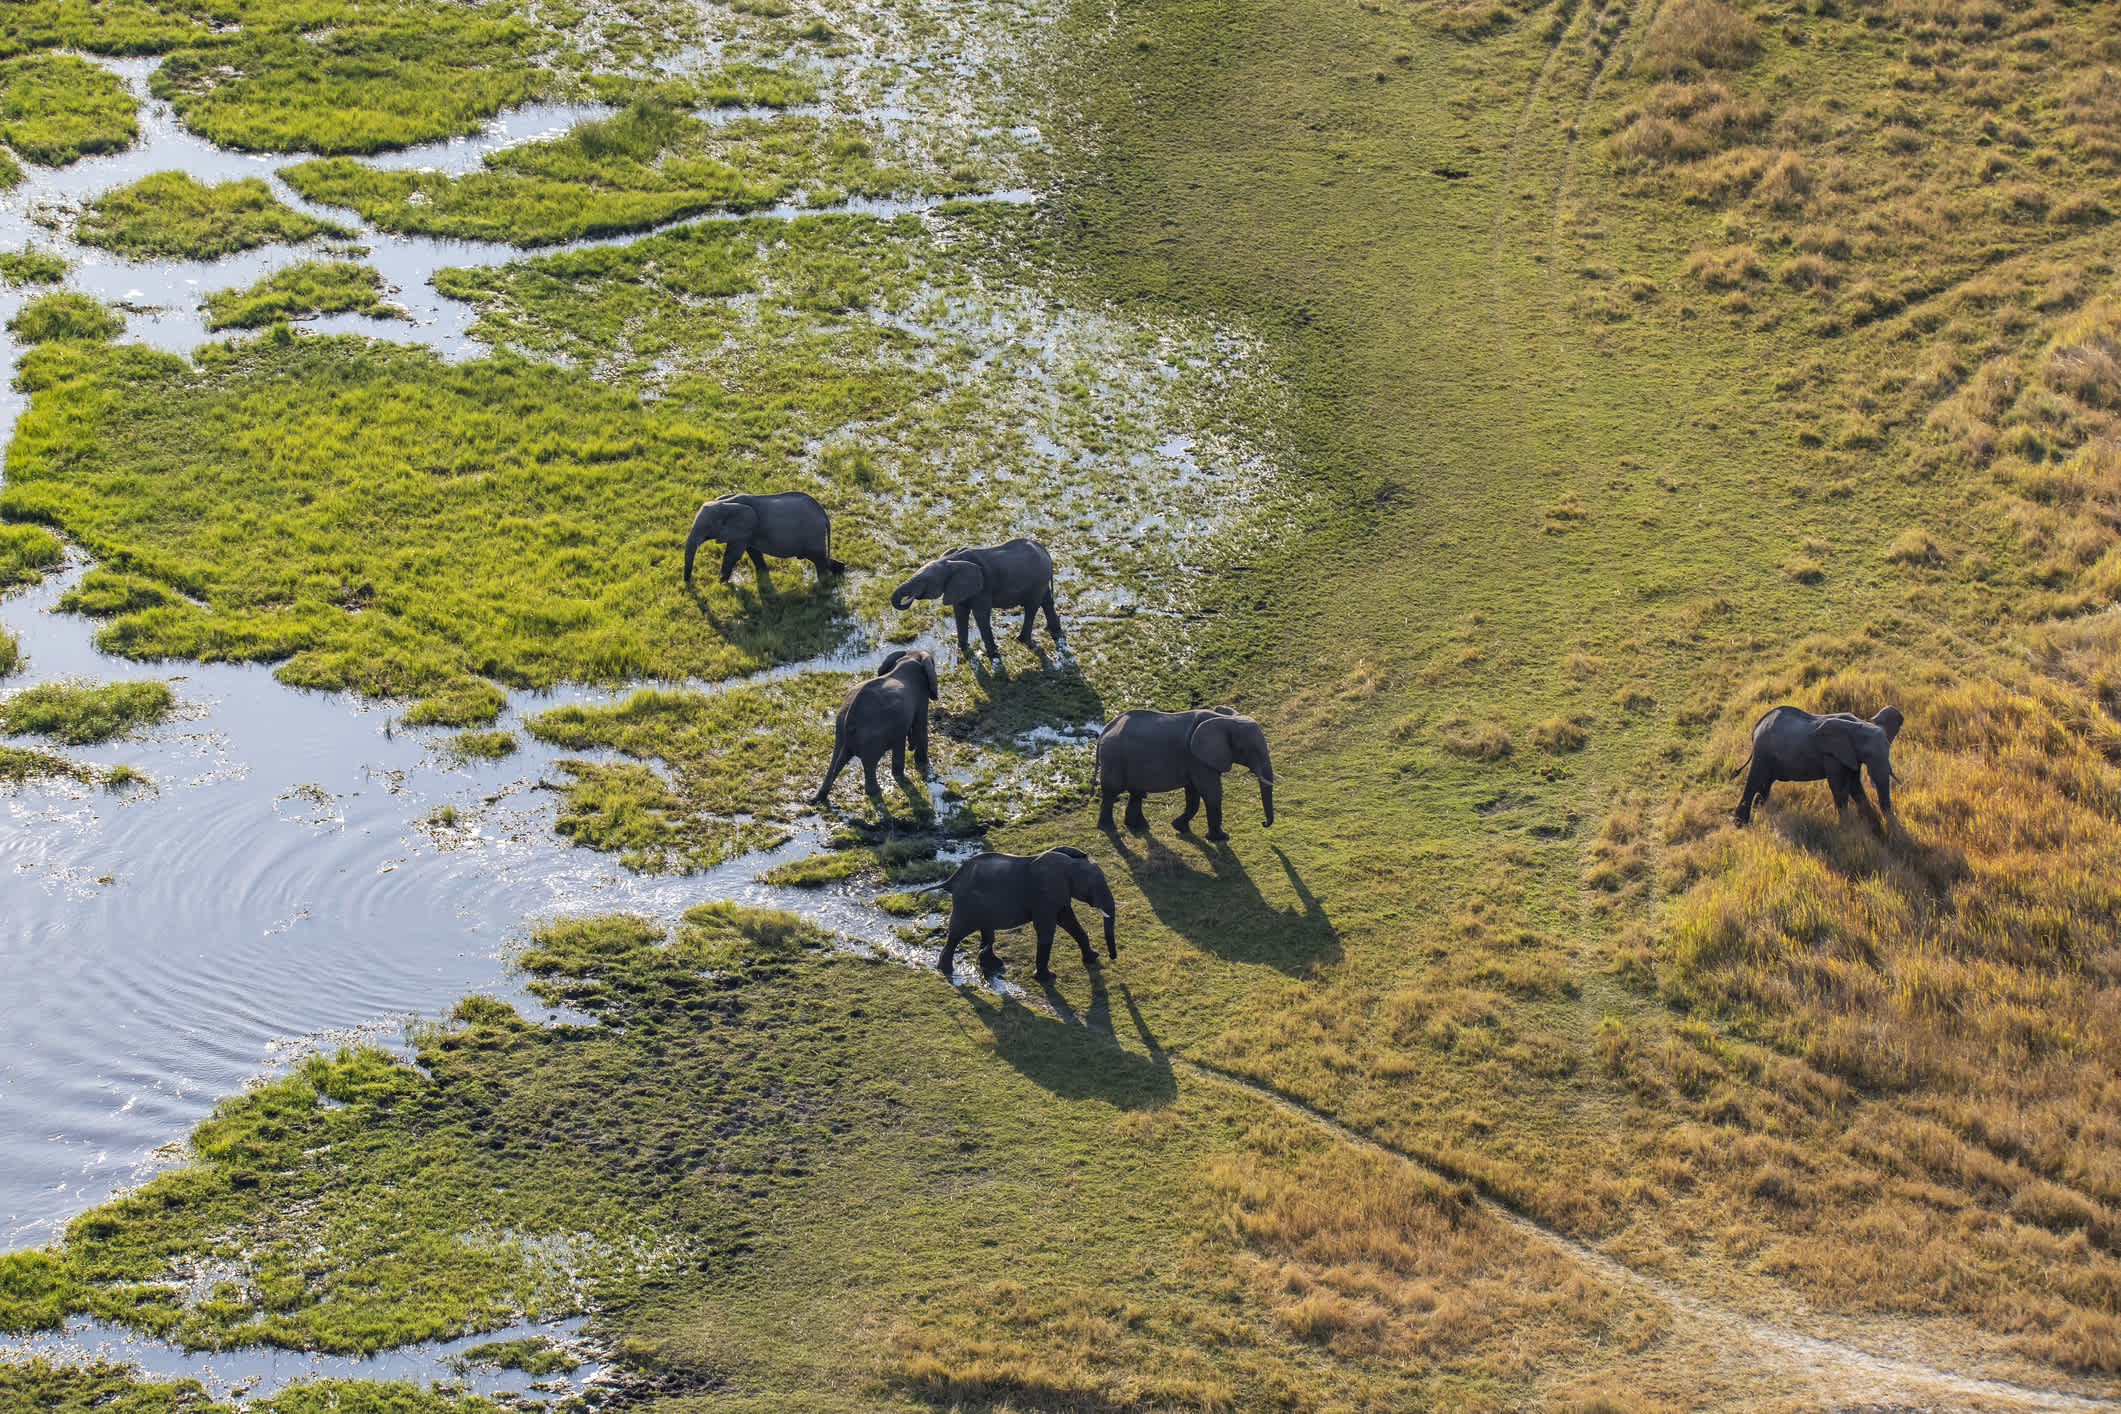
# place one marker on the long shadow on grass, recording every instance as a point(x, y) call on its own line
point(1079, 1057)
point(1219, 909)
point(782, 624)
point(1009, 701)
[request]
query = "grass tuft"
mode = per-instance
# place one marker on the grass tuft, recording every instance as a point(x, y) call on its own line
point(302, 291)
point(172, 215)
point(58, 108)
point(32, 265)
point(26, 552)
point(65, 315)
point(80, 714)
point(1693, 35)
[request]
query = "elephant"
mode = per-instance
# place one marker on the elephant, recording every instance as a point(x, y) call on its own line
point(1791, 744)
point(883, 714)
point(788, 525)
point(1144, 750)
point(997, 891)
point(1016, 575)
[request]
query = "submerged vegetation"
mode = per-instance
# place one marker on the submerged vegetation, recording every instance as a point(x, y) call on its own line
point(57, 108)
point(301, 291)
point(172, 215)
point(79, 713)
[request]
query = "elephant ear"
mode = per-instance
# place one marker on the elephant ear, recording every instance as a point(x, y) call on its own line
point(1068, 849)
point(1224, 711)
point(739, 521)
point(935, 686)
point(1211, 744)
point(891, 660)
point(964, 581)
point(1837, 740)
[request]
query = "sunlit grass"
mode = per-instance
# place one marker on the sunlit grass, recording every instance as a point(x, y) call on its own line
point(80, 713)
point(57, 108)
point(170, 214)
point(64, 314)
point(302, 291)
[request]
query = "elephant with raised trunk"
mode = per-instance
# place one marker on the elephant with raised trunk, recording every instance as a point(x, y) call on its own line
point(974, 583)
point(991, 892)
point(1791, 744)
point(789, 525)
point(1145, 751)
point(884, 714)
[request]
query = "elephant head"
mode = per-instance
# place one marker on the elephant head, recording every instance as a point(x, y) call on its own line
point(726, 519)
point(1087, 882)
point(1224, 739)
point(1865, 746)
point(923, 657)
point(951, 580)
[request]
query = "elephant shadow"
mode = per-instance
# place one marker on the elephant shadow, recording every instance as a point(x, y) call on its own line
point(1078, 1056)
point(1852, 848)
point(779, 624)
point(1220, 909)
point(1010, 701)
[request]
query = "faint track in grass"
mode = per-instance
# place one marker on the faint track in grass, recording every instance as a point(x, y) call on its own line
point(1834, 1369)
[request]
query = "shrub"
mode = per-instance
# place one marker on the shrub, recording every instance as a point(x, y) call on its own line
point(1698, 34)
point(64, 314)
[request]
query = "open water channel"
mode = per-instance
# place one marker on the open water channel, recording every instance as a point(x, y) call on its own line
point(279, 887)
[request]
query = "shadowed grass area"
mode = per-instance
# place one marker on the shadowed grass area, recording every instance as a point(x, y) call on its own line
point(57, 108)
point(170, 214)
point(81, 713)
point(648, 166)
point(302, 291)
point(732, 1104)
point(63, 314)
point(26, 552)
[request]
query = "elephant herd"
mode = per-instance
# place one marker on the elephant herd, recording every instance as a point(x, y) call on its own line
point(1139, 753)
point(1142, 752)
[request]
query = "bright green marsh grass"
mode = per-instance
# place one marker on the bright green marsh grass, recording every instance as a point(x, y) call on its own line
point(31, 266)
point(10, 653)
point(57, 108)
point(301, 291)
point(481, 746)
point(81, 714)
point(20, 763)
point(26, 552)
point(646, 166)
point(170, 214)
point(65, 314)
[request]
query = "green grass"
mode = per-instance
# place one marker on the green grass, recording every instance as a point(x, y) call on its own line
point(647, 166)
point(19, 764)
point(302, 291)
point(531, 1354)
point(32, 266)
point(58, 108)
point(481, 746)
point(82, 713)
point(470, 703)
point(171, 215)
point(10, 653)
point(63, 314)
point(26, 552)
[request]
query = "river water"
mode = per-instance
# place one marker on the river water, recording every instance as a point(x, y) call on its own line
point(280, 885)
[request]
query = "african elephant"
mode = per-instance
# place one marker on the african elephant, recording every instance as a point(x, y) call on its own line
point(883, 714)
point(1791, 744)
point(1144, 750)
point(788, 525)
point(1017, 575)
point(997, 891)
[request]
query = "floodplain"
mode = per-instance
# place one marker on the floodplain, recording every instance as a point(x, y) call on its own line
point(1505, 403)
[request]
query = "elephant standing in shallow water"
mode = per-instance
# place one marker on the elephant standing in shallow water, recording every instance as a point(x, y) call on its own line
point(1015, 575)
point(1145, 750)
point(884, 714)
point(996, 891)
point(788, 525)
point(1791, 744)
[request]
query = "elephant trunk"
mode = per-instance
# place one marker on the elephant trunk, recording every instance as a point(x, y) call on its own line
point(1109, 909)
point(692, 548)
point(1266, 798)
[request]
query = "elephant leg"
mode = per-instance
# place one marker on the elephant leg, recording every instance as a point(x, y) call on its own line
point(956, 935)
point(730, 555)
point(1837, 781)
point(985, 619)
point(988, 962)
point(869, 774)
point(832, 773)
point(1211, 795)
point(919, 737)
point(898, 758)
point(1862, 801)
point(1044, 928)
point(1074, 925)
point(1135, 819)
point(1108, 796)
point(964, 627)
point(1023, 635)
point(1184, 822)
point(758, 566)
point(1052, 618)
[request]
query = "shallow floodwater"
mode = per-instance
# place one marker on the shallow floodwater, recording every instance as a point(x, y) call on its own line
point(279, 886)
